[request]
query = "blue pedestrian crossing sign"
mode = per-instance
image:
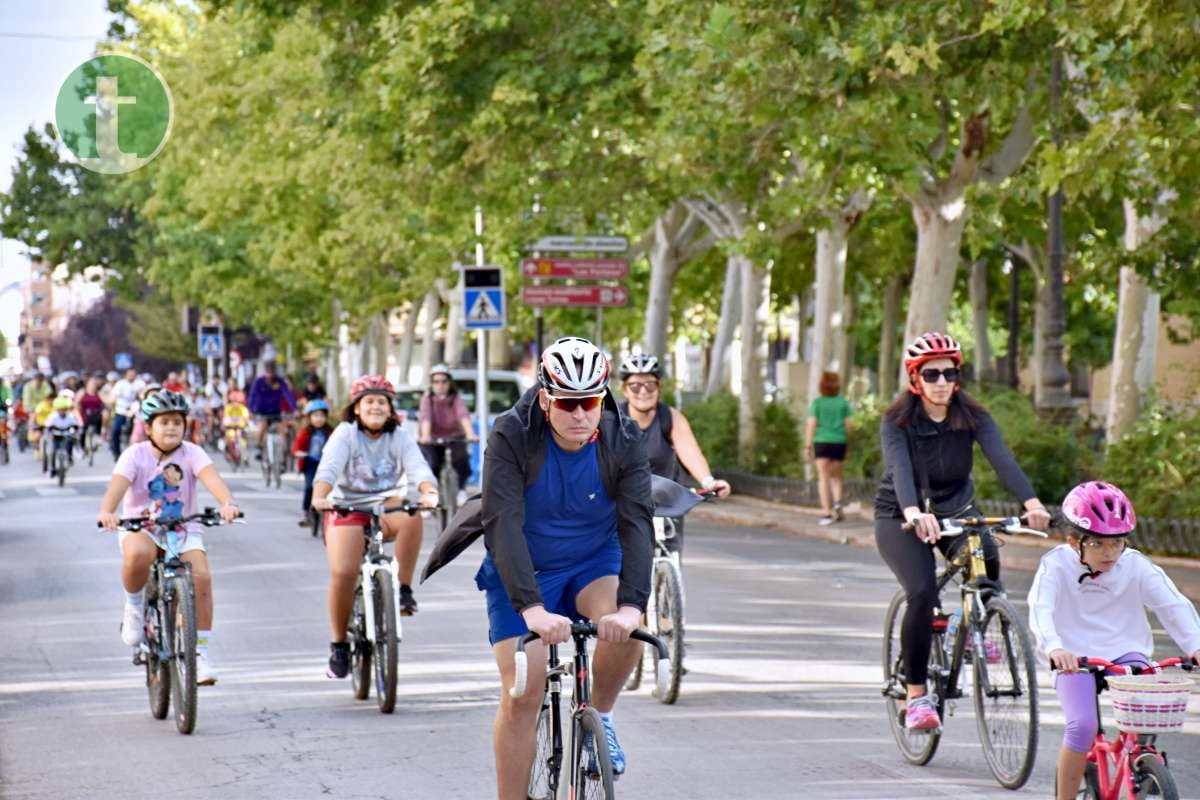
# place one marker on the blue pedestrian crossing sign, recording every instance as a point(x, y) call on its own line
point(211, 341)
point(123, 361)
point(483, 298)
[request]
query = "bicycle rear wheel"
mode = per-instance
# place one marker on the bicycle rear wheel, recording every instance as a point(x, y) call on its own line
point(360, 649)
point(387, 642)
point(593, 776)
point(668, 592)
point(543, 775)
point(1006, 694)
point(917, 748)
point(158, 672)
point(1153, 779)
point(183, 657)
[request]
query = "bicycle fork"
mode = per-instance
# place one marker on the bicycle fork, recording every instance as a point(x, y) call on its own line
point(369, 568)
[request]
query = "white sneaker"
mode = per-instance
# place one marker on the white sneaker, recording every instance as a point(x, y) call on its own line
point(462, 497)
point(205, 674)
point(133, 626)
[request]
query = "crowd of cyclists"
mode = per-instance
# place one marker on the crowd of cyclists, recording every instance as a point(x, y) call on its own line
point(565, 510)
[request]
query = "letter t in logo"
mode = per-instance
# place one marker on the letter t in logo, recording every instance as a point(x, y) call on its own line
point(107, 102)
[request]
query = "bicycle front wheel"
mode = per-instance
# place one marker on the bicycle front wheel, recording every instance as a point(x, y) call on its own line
point(916, 747)
point(593, 776)
point(387, 642)
point(1153, 779)
point(360, 649)
point(1006, 694)
point(183, 657)
point(543, 775)
point(60, 466)
point(668, 591)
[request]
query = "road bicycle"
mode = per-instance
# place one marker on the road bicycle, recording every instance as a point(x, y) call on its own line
point(374, 631)
point(91, 440)
point(62, 442)
point(992, 638)
point(272, 455)
point(664, 616)
point(4, 430)
point(590, 768)
point(169, 611)
point(447, 481)
point(1131, 766)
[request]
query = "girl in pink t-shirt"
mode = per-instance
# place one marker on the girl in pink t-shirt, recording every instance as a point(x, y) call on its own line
point(157, 478)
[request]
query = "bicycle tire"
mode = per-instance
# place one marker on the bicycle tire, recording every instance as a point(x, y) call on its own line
point(1148, 767)
point(591, 780)
point(60, 467)
point(4, 456)
point(917, 748)
point(669, 601)
point(387, 642)
point(1009, 749)
point(360, 649)
point(543, 783)
point(183, 656)
point(158, 672)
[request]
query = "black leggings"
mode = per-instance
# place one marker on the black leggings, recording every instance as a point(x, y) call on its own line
point(913, 564)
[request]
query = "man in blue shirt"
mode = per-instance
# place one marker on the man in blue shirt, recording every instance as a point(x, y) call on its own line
point(567, 520)
point(270, 398)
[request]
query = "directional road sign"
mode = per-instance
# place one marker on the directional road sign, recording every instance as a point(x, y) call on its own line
point(483, 298)
point(574, 295)
point(211, 341)
point(571, 244)
point(595, 269)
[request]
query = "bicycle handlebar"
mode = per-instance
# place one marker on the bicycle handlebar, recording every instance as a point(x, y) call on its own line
point(1091, 664)
point(582, 630)
point(378, 510)
point(208, 518)
point(958, 527)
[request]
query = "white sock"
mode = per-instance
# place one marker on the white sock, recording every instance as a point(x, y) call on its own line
point(134, 598)
point(202, 640)
point(606, 716)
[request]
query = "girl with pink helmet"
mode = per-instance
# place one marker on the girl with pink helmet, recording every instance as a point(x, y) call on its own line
point(1089, 598)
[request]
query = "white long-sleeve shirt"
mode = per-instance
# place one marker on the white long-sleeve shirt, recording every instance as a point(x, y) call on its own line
point(1105, 617)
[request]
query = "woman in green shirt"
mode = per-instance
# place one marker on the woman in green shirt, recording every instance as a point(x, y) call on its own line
point(825, 438)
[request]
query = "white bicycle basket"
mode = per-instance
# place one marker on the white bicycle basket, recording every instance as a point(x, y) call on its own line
point(1149, 703)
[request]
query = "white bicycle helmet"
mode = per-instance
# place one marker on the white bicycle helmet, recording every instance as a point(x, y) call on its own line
point(573, 367)
point(639, 364)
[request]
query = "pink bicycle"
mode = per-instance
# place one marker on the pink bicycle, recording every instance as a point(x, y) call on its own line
point(1145, 704)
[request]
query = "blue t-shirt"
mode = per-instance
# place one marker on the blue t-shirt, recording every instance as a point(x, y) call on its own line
point(316, 443)
point(569, 516)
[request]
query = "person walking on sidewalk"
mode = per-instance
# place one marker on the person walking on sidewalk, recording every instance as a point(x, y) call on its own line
point(826, 435)
point(928, 435)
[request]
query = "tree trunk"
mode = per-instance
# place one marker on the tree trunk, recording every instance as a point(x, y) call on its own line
point(846, 356)
point(979, 315)
point(497, 354)
point(664, 267)
point(404, 356)
point(1137, 330)
point(454, 323)
point(382, 342)
point(433, 310)
point(887, 336)
point(939, 237)
point(828, 318)
point(1013, 360)
point(756, 301)
point(718, 371)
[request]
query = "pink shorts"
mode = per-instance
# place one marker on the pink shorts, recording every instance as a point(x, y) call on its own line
point(360, 519)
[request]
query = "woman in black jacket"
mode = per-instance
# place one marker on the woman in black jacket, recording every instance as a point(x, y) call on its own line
point(928, 434)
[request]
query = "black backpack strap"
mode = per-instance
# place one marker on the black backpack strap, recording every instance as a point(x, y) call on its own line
point(666, 421)
point(925, 500)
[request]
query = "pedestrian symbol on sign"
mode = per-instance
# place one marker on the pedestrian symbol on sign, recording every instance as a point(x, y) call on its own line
point(483, 310)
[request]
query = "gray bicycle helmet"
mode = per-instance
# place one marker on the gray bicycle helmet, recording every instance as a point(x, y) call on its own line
point(164, 401)
point(640, 364)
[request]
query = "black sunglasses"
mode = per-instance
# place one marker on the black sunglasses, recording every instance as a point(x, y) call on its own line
point(569, 404)
point(931, 375)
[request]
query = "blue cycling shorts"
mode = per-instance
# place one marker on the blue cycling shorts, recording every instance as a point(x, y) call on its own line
point(559, 588)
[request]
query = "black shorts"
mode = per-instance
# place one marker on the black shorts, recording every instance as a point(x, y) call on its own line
point(832, 450)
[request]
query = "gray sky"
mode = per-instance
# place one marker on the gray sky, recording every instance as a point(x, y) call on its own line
point(32, 68)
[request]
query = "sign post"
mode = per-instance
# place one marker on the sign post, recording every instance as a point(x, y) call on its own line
point(540, 268)
point(483, 310)
point(211, 340)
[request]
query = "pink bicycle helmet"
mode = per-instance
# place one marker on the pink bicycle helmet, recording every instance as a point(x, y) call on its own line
point(927, 347)
point(1099, 509)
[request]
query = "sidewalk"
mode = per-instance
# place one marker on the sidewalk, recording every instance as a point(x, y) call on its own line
point(858, 530)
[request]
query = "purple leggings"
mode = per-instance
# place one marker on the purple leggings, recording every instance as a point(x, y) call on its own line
point(1077, 696)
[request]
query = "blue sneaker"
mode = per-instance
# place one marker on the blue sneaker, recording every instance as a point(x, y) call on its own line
point(615, 753)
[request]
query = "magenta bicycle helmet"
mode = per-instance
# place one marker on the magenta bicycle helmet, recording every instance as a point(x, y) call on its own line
point(1099, 509)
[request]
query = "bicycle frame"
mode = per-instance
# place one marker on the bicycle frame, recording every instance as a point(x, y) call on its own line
point(374, 560)
point(166, 566)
